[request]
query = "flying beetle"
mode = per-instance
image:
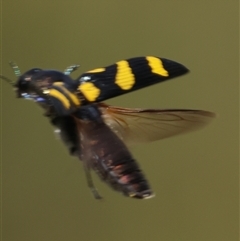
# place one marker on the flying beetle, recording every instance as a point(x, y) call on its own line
point(98, 134)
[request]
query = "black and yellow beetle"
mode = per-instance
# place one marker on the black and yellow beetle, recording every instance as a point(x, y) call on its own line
point(98, 134)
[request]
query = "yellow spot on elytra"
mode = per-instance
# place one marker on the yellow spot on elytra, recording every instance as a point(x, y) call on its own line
point(72, 96)
point(156, 66)
point(96, 70)
point(89, 90)
point(58, 95)
point(58, 83)
point(124, 77)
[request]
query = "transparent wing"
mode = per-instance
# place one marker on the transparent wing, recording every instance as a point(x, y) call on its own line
point(147, 125)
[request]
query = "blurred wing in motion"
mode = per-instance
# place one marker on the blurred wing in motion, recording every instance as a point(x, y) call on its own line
point(146, 125)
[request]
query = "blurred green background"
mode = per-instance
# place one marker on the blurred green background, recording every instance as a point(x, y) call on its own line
point(194, 176)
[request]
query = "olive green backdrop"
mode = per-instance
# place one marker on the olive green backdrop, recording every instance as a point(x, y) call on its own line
point(195, 176)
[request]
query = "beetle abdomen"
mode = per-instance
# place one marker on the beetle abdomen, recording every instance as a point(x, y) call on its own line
point(125, 176)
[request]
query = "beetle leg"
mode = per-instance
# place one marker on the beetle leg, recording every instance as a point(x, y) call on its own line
point(90, 182)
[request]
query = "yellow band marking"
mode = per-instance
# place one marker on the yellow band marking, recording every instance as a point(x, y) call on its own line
point(72, 96)
point(89, 90)
point(157, 66)
point(96, 70)
point(58, 83)
point(58, 95)
point(124, 77)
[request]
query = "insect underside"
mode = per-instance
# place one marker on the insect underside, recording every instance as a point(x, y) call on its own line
point(98, 134)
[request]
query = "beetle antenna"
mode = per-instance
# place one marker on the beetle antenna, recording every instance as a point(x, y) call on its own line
point(15, 68)
point(11, 82)
point(16, 71)
point(70, 69)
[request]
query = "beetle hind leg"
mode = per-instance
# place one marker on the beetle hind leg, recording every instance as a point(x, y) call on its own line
point(90, 182)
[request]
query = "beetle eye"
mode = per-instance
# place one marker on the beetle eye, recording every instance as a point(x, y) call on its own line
point(22, 85)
